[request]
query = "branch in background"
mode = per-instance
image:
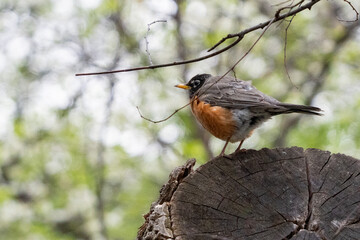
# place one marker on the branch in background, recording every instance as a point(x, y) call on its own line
point(285, 47)
point(166, 64)
point(290, 6)
point(278, 17)
point(356, 13)
point(180, 41)
point(6, 167)
point(164, 119)
point(72, 103)
point(146, 38)
point(131, 43)
point(100, 204)
point(222, 76)
point(73, 226)
point(319, 80)
point(101, 184)
point(182, 55)
point(239, 36)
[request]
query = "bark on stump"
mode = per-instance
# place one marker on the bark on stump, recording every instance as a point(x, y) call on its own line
point(287, 193)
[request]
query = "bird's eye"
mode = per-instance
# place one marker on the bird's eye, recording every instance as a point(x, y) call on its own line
point(196, 83)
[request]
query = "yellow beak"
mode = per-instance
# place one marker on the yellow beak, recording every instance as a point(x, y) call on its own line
point(183, 86)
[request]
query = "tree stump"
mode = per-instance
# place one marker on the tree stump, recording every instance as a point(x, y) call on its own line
point(287, 193)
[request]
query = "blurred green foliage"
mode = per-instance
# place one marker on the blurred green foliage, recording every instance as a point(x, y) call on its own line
point(76, 159)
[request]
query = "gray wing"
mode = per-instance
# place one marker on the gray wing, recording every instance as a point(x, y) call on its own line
point(233, 93)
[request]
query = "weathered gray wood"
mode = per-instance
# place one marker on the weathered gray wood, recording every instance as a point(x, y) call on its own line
point(268, 194)
point(157, 222)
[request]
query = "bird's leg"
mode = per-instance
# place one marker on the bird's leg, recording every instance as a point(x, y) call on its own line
point(223, 150)
point(238, 148)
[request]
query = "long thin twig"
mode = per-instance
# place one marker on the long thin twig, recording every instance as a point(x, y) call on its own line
point(162, 120)
point(319, 80)
point(356, 13)
point(264, 24)
point(146, 38)
point(231, 69)
point(290, 6)
point(242, 57)
point(227, 72)
point(165, 64)
point(281, 3)
point(239, 36)
point(182, 54)
point(285, 50)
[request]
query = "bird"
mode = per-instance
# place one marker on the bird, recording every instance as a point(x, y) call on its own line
point(231, 109)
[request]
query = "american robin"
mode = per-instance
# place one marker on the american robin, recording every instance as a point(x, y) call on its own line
point(230, 109)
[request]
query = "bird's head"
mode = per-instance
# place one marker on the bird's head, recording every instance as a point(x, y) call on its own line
point(194, 84)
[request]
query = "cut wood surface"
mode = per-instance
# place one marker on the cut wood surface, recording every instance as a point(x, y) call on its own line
point(287, 193)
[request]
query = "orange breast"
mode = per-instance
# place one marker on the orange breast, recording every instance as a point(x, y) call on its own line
point(217, 120)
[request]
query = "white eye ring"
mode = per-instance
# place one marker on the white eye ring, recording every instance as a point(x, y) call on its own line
point(196, 83)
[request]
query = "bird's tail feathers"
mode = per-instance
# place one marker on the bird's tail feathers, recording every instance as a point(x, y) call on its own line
point(291, 108)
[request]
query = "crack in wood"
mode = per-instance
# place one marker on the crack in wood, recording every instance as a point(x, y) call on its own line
point(244, 196)
point(289, 176)
point(256, 233)
point(327, 161)
point(281, 160)
point(322, 183)
point(333, 196)
point(310, 195)
point(250, 174)
point(293, 233)
point(207, 206)
point(347, 179)
point(348, 222)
